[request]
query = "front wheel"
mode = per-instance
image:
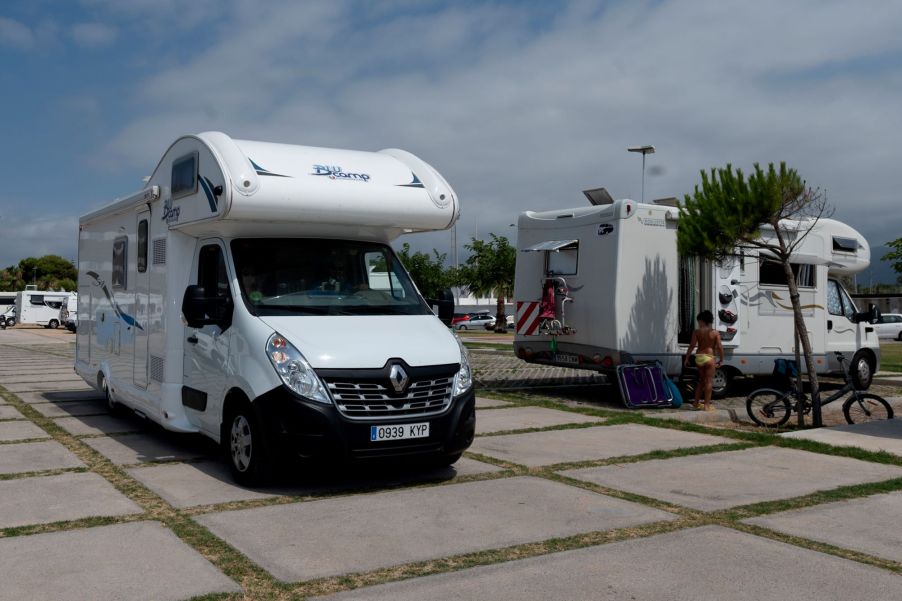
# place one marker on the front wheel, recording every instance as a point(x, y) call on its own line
point(247, 450)
point(54, 324)
point(10, 322)
point(862, 370)
point(768, 407)
point(866, 408)
point(720, 383)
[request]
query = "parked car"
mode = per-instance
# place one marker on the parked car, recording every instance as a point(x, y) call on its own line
point(476, 321)
point(459, 318)
point(890, 326)
point(9, 318)
point(508, 319)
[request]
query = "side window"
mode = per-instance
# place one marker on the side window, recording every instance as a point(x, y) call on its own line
point(770, 273)
point(213, 276)
point(184, 176)
point(36, 299)
point(834, 300)
point(120, 262)
point(564, 261)
point(142, 246)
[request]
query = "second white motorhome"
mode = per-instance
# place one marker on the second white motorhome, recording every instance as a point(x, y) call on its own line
point(41, 308)
point(249, 293)
point(602, 285)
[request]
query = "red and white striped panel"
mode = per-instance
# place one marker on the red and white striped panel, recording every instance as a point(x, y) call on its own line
point(528, 317)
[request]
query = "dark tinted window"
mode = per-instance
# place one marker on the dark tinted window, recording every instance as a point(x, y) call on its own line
point(120, 262)
point(142, 246)
point(770, 273)
point(36, 299)
point(184, 175)
point(847, 245)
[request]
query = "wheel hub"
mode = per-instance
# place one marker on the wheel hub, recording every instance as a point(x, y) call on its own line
point(240, 443)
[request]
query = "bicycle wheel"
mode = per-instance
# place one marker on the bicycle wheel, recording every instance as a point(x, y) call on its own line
point(768, 407)
point(866, 407)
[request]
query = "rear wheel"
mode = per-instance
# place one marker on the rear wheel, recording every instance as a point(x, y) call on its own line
point(862, 370)
point(866, 408)
point(720, 383)
point(112, 406)
point(246, 447)
point(461, 327)
point(768, 407)
point(10, 322)
point(54, 324)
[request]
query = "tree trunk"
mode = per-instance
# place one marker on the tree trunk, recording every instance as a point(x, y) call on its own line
point(803, 336)
point(500, 317)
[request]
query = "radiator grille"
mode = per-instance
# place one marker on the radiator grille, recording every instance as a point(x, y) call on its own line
point(159, 251)
point(156, 368)
point(369, 400)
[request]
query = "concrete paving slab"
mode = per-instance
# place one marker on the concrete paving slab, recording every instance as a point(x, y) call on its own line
point(523, 418)
point(484, 403)
point(60, 396)
point(41, 377)
point(711, 563)
point(193, 484)
point(46, 499)
point(559, 446)
point(136, 561)
point(36, 456)
point(869, 525)
point(139, 448)
point(884, 435)
point(209, 482)
point(73, 408)
point(10, 412)
point(311, 540)
point(100, 424)
point(47, 386)
point(721, 480)
point(20, 430)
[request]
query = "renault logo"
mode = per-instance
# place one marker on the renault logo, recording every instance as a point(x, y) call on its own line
point(398, 378)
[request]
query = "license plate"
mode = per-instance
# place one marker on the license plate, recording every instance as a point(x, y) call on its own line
point(567, 358)
point(399, 432)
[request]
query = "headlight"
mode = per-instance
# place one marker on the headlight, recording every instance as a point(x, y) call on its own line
point(294, 370)
point(463, 381)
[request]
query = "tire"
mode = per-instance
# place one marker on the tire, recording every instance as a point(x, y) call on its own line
point(461, 328)
point(867, 408)
point(768, 407)
point(899, 337)
point(862, 370)
point(246, 448)
point(112, 406)
point(54, 324)
point(10, 322)
point(721, 383)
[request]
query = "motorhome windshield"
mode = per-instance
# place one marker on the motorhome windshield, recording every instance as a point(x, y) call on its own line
point(292, 276)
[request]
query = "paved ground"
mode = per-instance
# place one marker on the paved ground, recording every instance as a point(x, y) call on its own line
point(551, 503)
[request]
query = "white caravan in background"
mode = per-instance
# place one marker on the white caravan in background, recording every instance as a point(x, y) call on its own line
point(42, 308)
point(616, 291)
point(249, 293)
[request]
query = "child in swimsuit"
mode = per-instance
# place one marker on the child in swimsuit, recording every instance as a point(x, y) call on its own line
point(707, 340)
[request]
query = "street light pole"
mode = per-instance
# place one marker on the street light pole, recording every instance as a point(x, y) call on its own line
point(647, 149)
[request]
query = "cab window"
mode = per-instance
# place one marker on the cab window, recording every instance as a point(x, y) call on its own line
point(213, 277)
point(838, 301)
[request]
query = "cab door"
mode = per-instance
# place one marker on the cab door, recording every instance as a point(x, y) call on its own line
point(842, 332)
point(206, 349)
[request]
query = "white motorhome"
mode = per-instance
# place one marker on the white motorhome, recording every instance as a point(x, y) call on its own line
point(616, 291)
point(69, 313)
point(38, 307)
point(249, 293)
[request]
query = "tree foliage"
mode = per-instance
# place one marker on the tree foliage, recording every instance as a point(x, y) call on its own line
point(489, 270)
point(727, 210)
point(50, 272)
point(895, 255)
point(428, 271)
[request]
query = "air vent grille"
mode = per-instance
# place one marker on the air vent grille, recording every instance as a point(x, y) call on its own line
point(159, 251)
point(156, 368)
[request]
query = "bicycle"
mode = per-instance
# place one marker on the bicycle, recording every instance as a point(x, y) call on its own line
point(772, 408)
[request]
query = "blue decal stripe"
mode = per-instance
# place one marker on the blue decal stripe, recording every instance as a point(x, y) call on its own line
point(106, 291)
point(261, 171)
point(207, 185)
point(416, 183)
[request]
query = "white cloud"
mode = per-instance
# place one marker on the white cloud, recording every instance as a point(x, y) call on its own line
point(93, 35)
point(15, 34)
point(519, 116)
point(35, 236)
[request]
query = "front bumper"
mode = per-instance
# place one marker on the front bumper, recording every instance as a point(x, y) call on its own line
point(307, 429)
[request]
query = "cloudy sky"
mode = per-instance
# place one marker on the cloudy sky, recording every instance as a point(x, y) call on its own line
point(519, 104)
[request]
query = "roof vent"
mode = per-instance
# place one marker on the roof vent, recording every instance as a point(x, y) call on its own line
point(599, 196)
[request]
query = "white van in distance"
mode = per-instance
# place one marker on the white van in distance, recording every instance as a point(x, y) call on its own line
point(249, 293)
point(69, 313)
point(40, 308)
point(597, 286)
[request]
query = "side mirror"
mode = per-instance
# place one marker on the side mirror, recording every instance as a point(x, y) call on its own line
point(445, 304)
point(194, 306)
point(200, 310)
point(874, 313)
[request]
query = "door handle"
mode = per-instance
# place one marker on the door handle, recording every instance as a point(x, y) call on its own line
point(829, 324)
point(192, 339)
